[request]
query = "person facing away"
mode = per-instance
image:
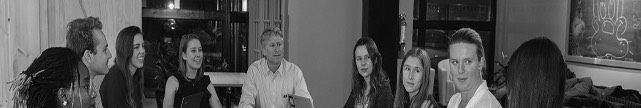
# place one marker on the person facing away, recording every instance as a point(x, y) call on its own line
point(190, 78)
point(467, 61)
point(270, 79)
point(85, 38)
point(417, 80)
point(122, 86)
point(370, 86)
point(536, 75)
point(56, 79)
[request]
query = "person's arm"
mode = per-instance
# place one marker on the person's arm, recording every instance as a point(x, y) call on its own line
point(248, 97)
point(214, 102)
point(301, 85)
point(170, 92)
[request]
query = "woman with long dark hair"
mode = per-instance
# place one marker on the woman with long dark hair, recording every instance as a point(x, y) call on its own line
point(536, 75)
point(190, 79)
point(415, 82)
point(370, 87)
point(122, 86)
point(56, 79)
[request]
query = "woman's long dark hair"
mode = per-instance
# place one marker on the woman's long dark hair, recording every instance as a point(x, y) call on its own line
point(39, 85)
point(402, 98)
point(536, 75)
point(182, 66)
point(124, 52)
point(377, 77)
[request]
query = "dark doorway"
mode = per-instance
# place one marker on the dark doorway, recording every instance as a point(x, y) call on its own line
point(380, 22)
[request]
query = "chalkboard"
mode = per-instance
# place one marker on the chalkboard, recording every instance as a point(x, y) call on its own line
point(606, 30)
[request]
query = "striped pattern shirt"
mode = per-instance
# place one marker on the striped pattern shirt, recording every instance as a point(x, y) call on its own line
point(266, 89)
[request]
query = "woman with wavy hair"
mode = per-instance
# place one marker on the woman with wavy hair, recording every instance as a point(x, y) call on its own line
point(370, 87)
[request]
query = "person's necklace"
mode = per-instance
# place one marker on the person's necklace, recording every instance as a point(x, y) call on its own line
point(363, 102)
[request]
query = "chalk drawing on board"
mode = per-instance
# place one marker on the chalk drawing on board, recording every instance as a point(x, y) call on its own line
point(636, 22)
point(609, 24)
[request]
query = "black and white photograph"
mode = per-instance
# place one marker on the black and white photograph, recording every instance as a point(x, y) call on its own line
point(320, 53)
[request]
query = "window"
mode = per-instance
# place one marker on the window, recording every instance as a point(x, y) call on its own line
point(266, 13)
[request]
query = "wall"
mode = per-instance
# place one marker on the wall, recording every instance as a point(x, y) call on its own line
point(6, 67)
point(321, 39)
point(407, 7)
point(18, 51)
point(521, 20)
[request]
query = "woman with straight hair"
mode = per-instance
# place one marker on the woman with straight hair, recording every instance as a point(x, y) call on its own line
point(370, 87)
point(416, 81)
point(122, 85)
point(190, 79)
point(536, 75)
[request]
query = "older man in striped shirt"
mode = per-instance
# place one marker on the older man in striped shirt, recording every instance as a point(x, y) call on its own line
point(271, 78)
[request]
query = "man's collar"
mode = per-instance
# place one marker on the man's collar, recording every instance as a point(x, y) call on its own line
point(280, 67)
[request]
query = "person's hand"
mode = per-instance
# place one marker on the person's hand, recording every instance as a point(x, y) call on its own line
point(427, 104)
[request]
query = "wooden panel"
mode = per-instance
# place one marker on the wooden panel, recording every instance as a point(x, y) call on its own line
point(6, 70)
point(226, 79)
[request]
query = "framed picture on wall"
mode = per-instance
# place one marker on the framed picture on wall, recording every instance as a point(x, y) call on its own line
point(605, 32)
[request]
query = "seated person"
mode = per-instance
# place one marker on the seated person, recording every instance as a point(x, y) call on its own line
point(536, 75)
point(190, 78)
point(417, 81)
point(122, 86)
point(271, 78)
point(467, 61)
point(370, 87)
point(56, 79)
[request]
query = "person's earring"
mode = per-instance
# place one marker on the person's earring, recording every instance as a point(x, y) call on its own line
point(63, 96)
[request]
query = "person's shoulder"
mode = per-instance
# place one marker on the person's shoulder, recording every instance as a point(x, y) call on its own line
point(114, 75)
point(112, 80)
point(384, 97)
point(454, 100)
point(383, 82)
point(113, 70)
point(455, 97)
point(257, 63)
point(487, 94)
point(489, 98)
point(384, 91)
point(205, 79)
point(488, 101)
point(291, 67)
point(172, 79)
point(256, 66)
